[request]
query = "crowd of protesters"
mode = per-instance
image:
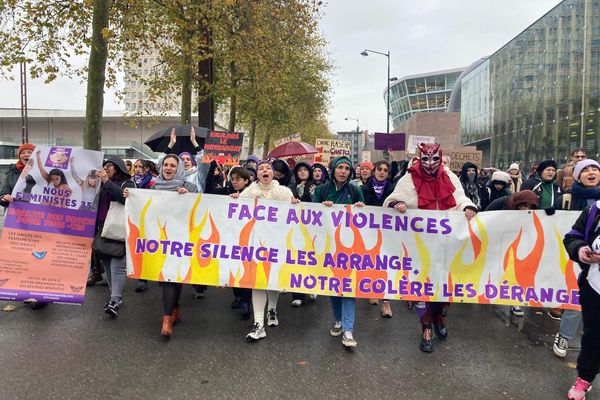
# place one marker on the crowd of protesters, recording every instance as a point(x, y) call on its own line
point(423, 182)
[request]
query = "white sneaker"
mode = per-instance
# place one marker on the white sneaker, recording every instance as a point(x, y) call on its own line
point(312, 296)
point(257, 332)
point(272, 318)
point(516, 311)
point(336, 329)
point(561, 344)
point(348, 340)
point(296, 303)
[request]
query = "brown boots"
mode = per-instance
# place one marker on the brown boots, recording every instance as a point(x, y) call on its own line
point(167, 326)
point(169, 321)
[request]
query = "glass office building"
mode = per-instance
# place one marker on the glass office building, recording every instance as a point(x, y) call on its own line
point(418, 93)
point(538, 97)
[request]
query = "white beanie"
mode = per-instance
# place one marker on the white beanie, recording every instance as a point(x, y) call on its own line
point(514, 166)
point(500, 176)
point(581, 165)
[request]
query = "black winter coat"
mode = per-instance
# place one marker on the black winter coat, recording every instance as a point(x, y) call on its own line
point(12, 175)
point(370, 195)
point(583, 233)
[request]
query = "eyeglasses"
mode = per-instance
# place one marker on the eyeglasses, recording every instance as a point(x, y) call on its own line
point(383, 169)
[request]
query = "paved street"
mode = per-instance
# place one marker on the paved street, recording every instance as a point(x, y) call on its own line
point(71, 352)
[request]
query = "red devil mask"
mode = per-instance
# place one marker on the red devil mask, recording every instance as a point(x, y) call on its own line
point(431, 157)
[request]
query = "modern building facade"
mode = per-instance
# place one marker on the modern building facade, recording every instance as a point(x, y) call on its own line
point(427, 92)
point(538, 97)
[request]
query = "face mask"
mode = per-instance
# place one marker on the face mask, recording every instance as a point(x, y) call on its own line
point(431, 157)
point(471, 176)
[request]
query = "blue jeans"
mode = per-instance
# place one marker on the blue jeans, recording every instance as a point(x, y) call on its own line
point(344, 309)
point(569, 323)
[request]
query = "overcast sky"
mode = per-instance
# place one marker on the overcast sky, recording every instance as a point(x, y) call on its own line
point(422, 36)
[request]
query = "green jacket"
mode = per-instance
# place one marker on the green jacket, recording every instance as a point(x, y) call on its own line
point(341, 196)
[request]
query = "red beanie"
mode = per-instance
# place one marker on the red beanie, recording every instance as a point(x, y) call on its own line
point(366, 164)
point(25, 146)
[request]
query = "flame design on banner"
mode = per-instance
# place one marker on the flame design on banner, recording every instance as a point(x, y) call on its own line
point(253, 274)
point(357, 247)
point(202, 269)
point(422, 274)
point(309, 246)
point(566, 268)
point(145, 265)
point(464, 273)
point(522, 271)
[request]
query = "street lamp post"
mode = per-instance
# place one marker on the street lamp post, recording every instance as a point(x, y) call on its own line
point(365, 53)
point(354, 119)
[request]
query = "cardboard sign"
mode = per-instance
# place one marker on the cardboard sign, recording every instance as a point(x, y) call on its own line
point(414, 141)
point(294, 137)
point(331, 148)
point(459, 157)
point(224, 147)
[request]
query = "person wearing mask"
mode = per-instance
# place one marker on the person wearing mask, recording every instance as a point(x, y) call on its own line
point(252, 162)
point(172, 178)
point(429, 186)
point(468, 180)
point(375, 191)
point(516, 179)
point(266, 187)
point(303, 190)
point(496, 188)
point(544, 185)
point(115, 180)
point(341, 191)
point(585, 191)
point(282, 173)
point(564, 176)
point(320, 174)
point(365, 171)
point(583, 246)
point(143, 180)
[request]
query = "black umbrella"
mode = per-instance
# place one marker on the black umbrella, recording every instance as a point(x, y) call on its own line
point(160, 140)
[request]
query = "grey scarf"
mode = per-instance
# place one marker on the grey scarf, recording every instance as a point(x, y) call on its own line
point(162, 184)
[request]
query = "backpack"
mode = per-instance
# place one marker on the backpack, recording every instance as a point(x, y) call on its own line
point(351, 188)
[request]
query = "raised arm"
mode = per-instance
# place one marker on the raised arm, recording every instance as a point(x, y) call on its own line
point(74, 173)
point(43, 172)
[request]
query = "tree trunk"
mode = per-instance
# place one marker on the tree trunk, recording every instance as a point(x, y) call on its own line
point(233, 100)
point(186, 95)
point(251, 136)
point(92, 137)
point(266, 143)
point(206, 106)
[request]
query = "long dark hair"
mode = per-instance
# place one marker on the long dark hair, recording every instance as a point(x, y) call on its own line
point(58, 172)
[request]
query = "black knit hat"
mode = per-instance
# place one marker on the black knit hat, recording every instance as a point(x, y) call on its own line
point(545, 164)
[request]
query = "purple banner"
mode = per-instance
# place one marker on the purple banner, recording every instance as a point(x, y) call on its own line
point(390, 141)
point(38, 218)
point(43, 297)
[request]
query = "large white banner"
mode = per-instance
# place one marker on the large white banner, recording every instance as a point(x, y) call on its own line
point(499, 257)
